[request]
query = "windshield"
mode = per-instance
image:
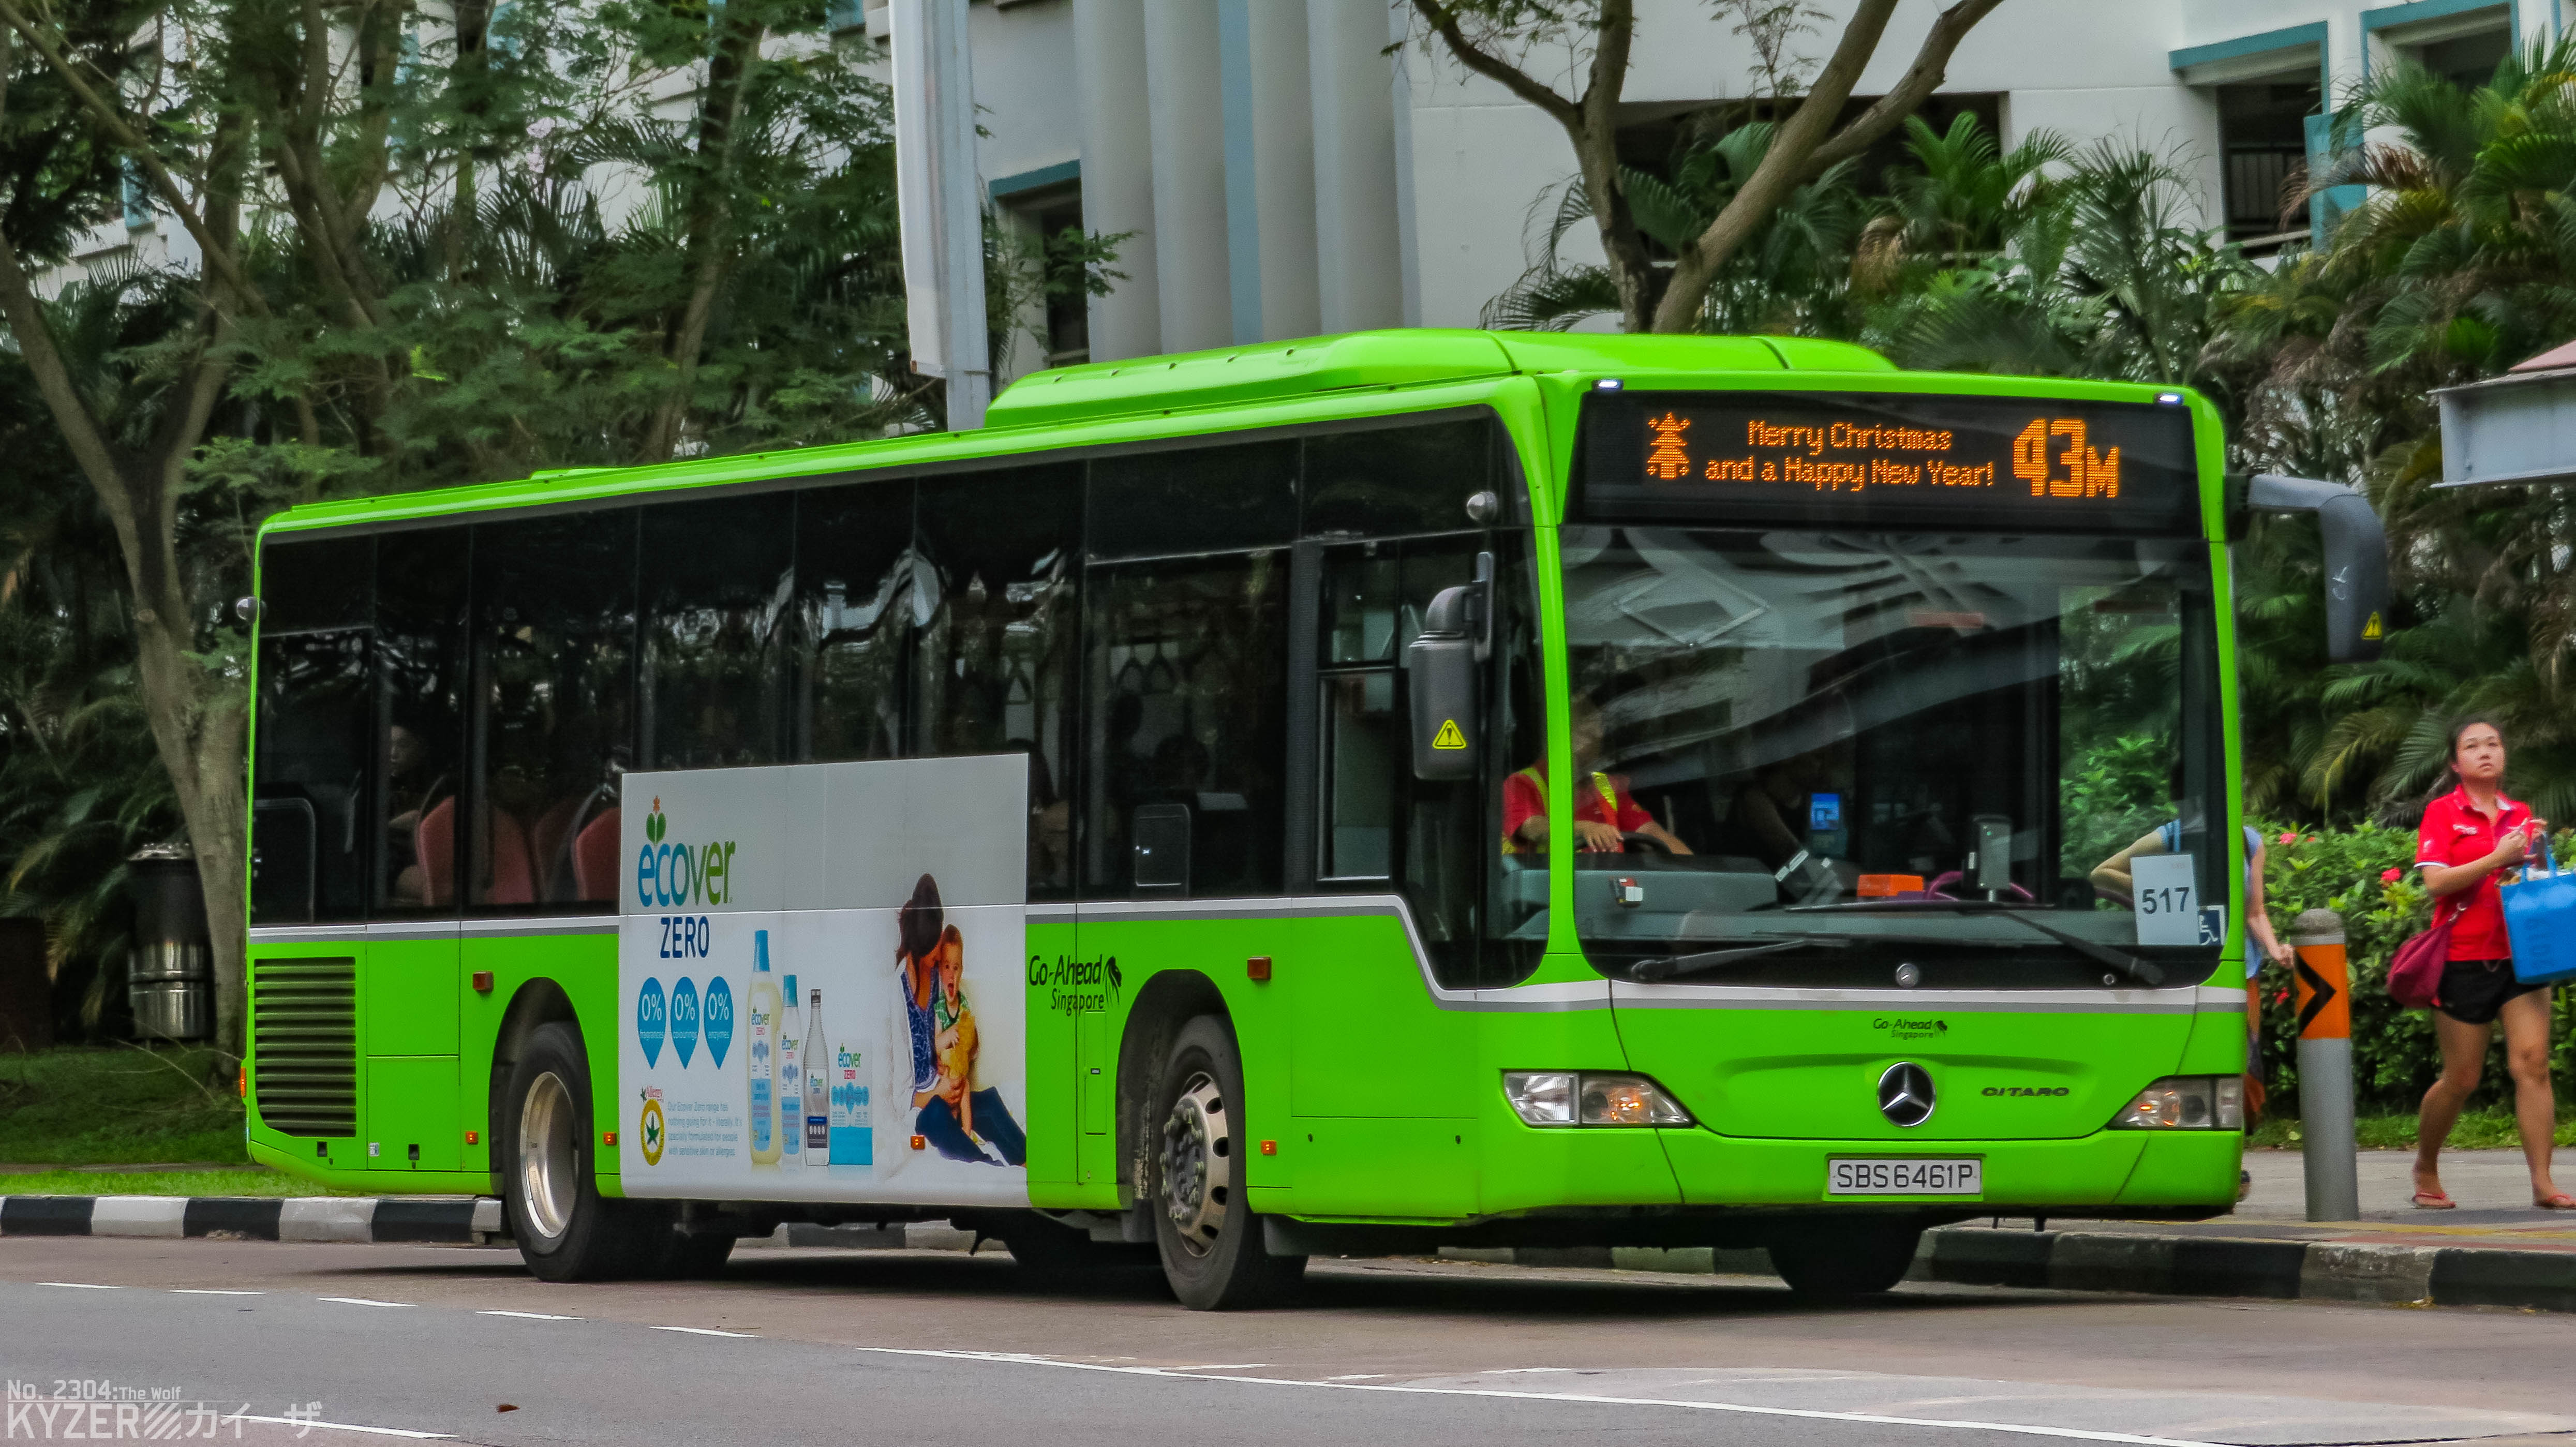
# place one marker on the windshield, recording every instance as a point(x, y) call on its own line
point(1963, 749)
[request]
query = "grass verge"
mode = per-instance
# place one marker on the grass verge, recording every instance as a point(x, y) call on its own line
point(117, 1105)
point(2477, 1131)
point(250, 1182)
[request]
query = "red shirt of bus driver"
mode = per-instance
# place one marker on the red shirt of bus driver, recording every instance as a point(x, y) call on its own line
point(2454, 832)
point(1525, 794)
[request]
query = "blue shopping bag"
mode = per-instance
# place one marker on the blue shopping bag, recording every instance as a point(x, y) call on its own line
point(2540, 917)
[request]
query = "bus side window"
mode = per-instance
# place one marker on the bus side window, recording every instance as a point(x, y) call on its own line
point(420, 753)
point(859, 584)
point(1411, 478)
point(1186, 688)
point(554, 697)
point(996, 655)
point(714, 577)
point(309, 837)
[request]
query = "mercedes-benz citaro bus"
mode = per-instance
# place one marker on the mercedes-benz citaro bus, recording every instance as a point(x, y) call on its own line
point(1354, 795)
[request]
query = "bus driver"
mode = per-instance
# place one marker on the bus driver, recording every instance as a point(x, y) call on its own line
point(1602, 813)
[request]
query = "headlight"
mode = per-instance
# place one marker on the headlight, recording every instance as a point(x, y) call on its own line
point(1566, 1097)
point(2186, 1102)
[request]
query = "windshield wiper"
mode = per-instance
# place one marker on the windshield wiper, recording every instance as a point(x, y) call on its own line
point(2144, 971)
point(1670, 967)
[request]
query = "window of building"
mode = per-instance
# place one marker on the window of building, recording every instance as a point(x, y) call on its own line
point(310, 829)
point(2467, 50)
point(715, 578)
point(420, 758)
point(1049, 218)
point(2263, 154)
point(554, 723)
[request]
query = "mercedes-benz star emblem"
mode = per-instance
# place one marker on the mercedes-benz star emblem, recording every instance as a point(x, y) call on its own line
point(1905, 1094)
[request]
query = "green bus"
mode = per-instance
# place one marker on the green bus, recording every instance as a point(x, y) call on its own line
point(1130, 830)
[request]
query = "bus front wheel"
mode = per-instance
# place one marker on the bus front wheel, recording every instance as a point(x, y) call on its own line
point(565, 1229)
point(1210, 1240)
point(1857, 1260)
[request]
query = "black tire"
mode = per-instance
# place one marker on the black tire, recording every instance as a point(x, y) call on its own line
point(1206, 1232)
point(565, 1229)
point(1858, 1260)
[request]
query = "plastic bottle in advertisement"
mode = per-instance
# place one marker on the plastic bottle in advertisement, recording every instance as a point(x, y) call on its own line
point(791, 1083)
point(758, 1058)
point(853, 1142)
point(815, 1109)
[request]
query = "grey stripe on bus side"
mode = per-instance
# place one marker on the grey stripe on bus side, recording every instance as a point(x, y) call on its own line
point(1539, 998)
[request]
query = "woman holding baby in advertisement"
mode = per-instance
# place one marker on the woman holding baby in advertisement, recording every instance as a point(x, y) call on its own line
point(952, 1116)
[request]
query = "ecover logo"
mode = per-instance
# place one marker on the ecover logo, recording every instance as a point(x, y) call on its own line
point(675, 876)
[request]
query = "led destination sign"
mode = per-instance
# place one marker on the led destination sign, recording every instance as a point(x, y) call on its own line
point(1842, 457)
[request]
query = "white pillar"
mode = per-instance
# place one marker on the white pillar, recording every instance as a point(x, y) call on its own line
point(1118, 172)
point(1359, 251)
point(1408, 227)
point(1185, 104)
point(1283, 169)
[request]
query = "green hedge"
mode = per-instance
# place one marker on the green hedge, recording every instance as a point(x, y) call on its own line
point(2349, 871)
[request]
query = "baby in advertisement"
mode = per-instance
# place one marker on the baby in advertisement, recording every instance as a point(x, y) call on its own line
point(951, 1116)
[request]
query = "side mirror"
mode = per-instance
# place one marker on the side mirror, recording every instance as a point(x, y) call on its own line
point(2356, 558)
point(1440, 666)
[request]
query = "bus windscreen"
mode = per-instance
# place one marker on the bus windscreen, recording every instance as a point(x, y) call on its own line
point(1863, 459)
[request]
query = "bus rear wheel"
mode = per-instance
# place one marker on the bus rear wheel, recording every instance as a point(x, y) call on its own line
point(1856, 1260)
point(565, 1229)
point(1210, 1240)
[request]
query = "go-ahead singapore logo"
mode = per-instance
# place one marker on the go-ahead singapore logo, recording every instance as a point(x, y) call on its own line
point(677, 876)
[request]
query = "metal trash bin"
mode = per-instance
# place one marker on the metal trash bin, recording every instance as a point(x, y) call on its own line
point(169, 973)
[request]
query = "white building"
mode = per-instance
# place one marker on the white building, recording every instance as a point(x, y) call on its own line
point(1295, 167)
point(1287, 173)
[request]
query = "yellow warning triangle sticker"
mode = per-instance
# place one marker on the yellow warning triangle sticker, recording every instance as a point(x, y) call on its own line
point(2370, 627)
point(1450, 736)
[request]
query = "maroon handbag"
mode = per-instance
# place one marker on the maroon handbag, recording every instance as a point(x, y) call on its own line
point(2415, 973)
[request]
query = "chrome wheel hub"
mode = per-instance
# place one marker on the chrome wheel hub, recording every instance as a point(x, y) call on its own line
point(1198, 1164)
point(548, 1183)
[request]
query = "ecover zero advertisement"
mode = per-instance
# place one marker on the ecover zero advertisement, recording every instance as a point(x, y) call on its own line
point(819, 968)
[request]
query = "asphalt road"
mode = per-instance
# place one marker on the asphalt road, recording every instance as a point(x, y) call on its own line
point(865, 1348)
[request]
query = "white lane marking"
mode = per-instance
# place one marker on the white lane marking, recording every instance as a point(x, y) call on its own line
point(529, 1315)
point(699, 1330)
point(81, 1285)
point(346, 1426)
point(1356, 1377)
point(1217, 1367)
point(1809, 1413)
point(211, 1291)
point(360, 1301)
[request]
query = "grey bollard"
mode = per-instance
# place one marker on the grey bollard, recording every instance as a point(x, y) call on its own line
point(2325, 1067)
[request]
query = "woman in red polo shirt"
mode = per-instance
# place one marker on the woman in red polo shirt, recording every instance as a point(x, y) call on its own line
point(2471, 836)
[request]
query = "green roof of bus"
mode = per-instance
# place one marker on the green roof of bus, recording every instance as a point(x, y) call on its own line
point(1229, 378)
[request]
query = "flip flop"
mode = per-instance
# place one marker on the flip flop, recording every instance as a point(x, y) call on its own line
point(2441, 1201)
point(2560, 1202)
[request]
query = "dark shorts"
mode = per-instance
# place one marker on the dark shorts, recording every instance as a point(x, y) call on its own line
point(2474, 991)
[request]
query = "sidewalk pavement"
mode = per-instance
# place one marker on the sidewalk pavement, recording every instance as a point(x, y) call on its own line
point(2497, 1249)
